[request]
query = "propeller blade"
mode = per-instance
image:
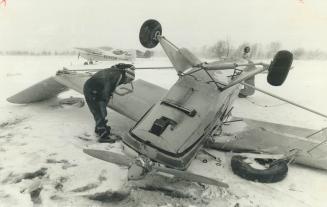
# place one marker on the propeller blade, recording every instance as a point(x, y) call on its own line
point(107, 156)
point(191, 176)
point(120, 159)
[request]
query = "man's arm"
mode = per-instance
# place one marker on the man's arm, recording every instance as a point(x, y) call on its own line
point(111, 82)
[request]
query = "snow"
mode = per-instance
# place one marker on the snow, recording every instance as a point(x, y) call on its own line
point(47, 135)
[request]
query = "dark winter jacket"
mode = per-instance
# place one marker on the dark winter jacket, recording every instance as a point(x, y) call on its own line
point(103, 83)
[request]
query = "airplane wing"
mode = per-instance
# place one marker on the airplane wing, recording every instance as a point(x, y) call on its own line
point(105, 54)
point(133, 104)
point(40, 91)
point(257, 136)
point(90, 50)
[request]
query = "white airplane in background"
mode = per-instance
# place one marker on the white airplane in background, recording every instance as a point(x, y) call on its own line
point(105, 54)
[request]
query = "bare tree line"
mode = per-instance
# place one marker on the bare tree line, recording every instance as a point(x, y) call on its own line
point(39, 53)
point(220, 49)
point(223, 48)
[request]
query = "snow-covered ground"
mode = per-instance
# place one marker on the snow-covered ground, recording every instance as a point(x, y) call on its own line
point(42, 163)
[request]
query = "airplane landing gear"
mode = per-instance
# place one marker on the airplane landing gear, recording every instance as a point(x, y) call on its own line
point(149, 33)
point(279, 67)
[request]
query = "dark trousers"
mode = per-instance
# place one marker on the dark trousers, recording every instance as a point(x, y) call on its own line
point(98, 109)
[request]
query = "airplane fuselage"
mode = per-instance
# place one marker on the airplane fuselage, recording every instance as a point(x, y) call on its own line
point(173, 130)
point(103, 57)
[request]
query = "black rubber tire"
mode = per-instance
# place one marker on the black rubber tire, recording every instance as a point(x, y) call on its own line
point(279, 67)
point(276, 172)
point(149, 31)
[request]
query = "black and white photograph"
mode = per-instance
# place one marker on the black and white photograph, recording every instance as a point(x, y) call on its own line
point(162, 103)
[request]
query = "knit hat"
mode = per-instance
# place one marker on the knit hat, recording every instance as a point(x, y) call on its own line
point(129, 72)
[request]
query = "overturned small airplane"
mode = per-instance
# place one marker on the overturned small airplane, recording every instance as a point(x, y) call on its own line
point(105, 54)
point(173, 125)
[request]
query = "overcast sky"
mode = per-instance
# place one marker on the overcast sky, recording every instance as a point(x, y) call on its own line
point(63, 24)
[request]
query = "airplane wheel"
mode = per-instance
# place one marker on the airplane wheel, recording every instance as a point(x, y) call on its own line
point(148, 34)
point(276, 171)
point(279, 67)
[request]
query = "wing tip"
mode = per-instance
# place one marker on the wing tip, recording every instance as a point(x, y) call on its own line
point(16, 100)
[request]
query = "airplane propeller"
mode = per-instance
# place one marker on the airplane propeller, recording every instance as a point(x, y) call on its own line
point(107, 156)
point(123, 160)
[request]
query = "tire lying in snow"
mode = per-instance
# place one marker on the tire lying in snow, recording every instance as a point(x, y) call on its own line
point(276, 171)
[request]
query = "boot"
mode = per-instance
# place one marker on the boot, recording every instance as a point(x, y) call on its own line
point(103, 133)
point(106, 140)
point(97, 130)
